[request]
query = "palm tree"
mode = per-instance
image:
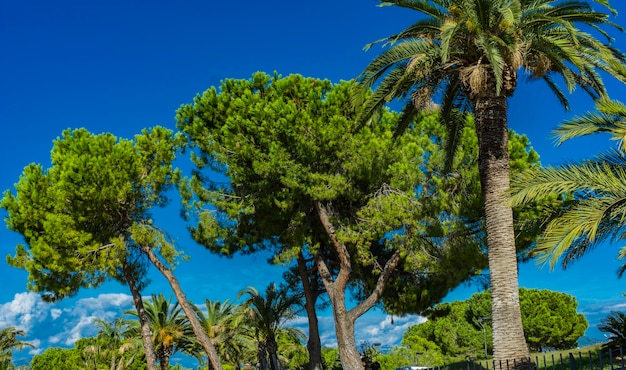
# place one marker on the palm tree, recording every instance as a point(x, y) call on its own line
point(171, 331)
point(9, 342)
point(116, 338)
point(615, 325)
point(292, 353)
point(223, 324)
point(468, 53)
point(595, 209)
point(267, 315)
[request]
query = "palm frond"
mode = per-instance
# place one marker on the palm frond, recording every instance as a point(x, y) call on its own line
point(609, 117)
point(428, 8)
point(589, 177)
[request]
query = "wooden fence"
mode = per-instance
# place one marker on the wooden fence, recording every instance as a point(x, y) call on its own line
point(600, 359)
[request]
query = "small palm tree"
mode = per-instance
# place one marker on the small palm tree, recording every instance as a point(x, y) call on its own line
point(224, 325)
point(171, 331)
point(9, 342)
point(595, 209)
point(117, 339)
point(267, 314)
point(467, 54)
point(615, 325)
point(292, 352)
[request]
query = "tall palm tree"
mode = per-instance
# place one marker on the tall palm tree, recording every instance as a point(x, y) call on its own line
point(467, 54)
point(171, 331)
point(267, 314)
point(596, 208)
point(223, 324)
point(9, 342)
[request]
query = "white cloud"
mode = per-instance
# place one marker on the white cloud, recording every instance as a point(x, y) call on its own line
point(24, 311)
point(37, 349)
point(79, 329)
point(373, 327)
point(77, 320)
point(55, 313)
point(297, 321)
point(63, 322)
point(104, 302)
point(384, 329)
point(621, 306)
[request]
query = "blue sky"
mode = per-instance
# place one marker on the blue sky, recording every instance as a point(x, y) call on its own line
point(120, 66)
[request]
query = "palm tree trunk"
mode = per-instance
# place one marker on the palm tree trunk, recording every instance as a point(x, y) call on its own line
point(165, 363)
point(313, 345)
point(262, 356)
point(146, 334)
point(493, 158)
point(186, 306)
point(272, 350)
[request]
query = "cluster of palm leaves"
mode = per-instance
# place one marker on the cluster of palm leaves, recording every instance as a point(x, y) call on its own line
point(251, 332)
point(10, 342)
point(594, 210)
point(615, 326)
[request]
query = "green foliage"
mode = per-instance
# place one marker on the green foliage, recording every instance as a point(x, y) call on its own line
point(265, 314)
point(58, 359)
point(330, 358)
point(223, 323)
point(9, 342)
point(292, 353)
point(450, 330)
point(171, 330)
point(415, 350)
point(115, 344)
point(549, 318)
point(463, 50)
point(286, 143)
point(78, 216)
point(88, 353)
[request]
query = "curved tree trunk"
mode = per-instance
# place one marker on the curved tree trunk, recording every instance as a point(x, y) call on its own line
point(146, 334)
point(313, 345)
point(491, 128)
point(336, 287)
point(186, 306)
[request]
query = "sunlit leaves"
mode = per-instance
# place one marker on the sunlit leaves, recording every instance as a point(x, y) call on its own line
point(78, 216)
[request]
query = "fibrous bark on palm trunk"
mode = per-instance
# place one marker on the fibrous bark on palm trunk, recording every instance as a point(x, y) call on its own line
point(492, 131)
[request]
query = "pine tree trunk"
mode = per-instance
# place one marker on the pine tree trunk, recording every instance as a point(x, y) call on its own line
point(344, 328)
point(336, 287)
point(491, 128)
point(186, 306)
point(313, 345)
point(146, 334)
